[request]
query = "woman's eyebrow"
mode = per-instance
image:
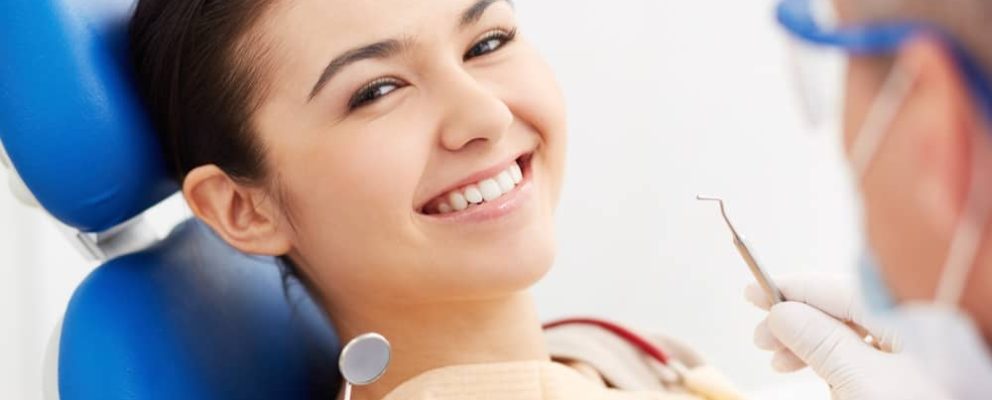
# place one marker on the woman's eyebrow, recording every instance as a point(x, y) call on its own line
point(475, 12)
point(389, 48)
point(383, 49)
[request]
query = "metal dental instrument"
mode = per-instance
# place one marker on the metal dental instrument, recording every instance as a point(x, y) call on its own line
point(766, 283)
point(363, 361)
point(772, 291)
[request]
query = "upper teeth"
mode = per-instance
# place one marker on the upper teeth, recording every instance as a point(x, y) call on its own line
point(488, 189)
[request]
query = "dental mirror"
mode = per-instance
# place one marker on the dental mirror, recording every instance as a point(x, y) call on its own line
point(363, 361)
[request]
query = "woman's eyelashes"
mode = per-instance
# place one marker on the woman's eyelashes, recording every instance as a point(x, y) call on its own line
point(491, 42)
point(373, 91)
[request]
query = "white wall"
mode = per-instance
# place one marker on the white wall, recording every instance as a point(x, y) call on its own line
point(667, 99)
point(38, 271)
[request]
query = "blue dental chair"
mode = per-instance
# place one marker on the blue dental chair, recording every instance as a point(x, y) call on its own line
point(185, 317)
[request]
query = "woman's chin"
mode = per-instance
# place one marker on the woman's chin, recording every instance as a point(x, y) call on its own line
point(514, 270)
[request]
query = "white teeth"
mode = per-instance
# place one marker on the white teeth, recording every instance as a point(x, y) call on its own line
point(516, 173)
point(505, 182)
point(490, 190)
point(458, 202)
point(486, 190)
point(473, 195)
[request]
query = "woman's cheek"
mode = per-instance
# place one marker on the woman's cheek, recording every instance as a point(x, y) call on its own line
point(529, 87)
point(370, 178)
point(538, 101)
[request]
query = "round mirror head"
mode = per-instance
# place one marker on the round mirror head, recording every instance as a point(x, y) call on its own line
point(364, 359)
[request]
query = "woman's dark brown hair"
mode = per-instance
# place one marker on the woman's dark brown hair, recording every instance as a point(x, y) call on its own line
point(198, 67)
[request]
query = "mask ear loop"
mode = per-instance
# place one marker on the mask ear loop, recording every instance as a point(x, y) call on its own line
point(965, 243)
point(961, 256)
point(879, 119)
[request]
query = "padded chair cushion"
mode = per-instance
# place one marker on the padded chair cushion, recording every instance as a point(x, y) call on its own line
point(70, 118)
point(192, 318)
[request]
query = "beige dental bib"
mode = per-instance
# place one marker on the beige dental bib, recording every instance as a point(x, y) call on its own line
point(544, 380)
point(601, 356)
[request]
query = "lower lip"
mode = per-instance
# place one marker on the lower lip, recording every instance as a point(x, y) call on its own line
point(496, 209)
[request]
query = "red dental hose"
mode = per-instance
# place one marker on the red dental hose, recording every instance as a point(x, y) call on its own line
point(626, 334)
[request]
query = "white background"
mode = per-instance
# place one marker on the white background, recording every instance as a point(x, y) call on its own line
point(667, 99)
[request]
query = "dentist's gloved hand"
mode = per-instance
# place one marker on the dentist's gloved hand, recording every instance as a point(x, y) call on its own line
point(816, 328)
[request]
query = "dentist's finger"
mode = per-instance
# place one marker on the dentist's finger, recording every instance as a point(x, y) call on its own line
point(831, 294)
point(785, 361)
point(820, 340)
point(755, 295)
point(763, 338)
point(835, 296)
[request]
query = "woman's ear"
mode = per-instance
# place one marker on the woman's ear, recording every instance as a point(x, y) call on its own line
point(246, 217)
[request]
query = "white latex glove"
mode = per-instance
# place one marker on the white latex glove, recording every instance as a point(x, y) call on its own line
point(814, 328)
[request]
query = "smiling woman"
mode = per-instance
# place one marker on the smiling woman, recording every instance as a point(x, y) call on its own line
point(405, 156)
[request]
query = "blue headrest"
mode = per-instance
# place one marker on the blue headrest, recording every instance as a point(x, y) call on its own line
point(192, 319)
point(70, 118)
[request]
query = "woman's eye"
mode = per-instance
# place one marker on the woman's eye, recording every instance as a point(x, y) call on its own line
point(373, 91)
point(491, 42)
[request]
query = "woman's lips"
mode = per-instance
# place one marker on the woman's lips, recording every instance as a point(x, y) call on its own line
point(487, 198)
point(483, 187)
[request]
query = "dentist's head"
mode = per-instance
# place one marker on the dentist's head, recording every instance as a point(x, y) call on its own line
point(401, 153)
point(919, 139)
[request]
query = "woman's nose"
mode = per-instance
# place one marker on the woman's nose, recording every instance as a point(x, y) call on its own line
point(473, 113)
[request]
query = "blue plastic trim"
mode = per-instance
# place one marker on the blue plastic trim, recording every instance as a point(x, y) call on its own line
point(70, 118)
point(192, 318)
point(796, 16)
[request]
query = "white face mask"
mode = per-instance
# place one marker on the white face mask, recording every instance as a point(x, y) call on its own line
point(944, 339)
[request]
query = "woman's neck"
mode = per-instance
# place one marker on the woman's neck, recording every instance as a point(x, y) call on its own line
point(431, 336)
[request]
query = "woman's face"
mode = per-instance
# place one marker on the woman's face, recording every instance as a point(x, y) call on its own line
point(417, 145)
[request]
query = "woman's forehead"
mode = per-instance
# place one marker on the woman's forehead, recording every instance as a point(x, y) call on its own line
point(360, 21)
point(304, 35)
